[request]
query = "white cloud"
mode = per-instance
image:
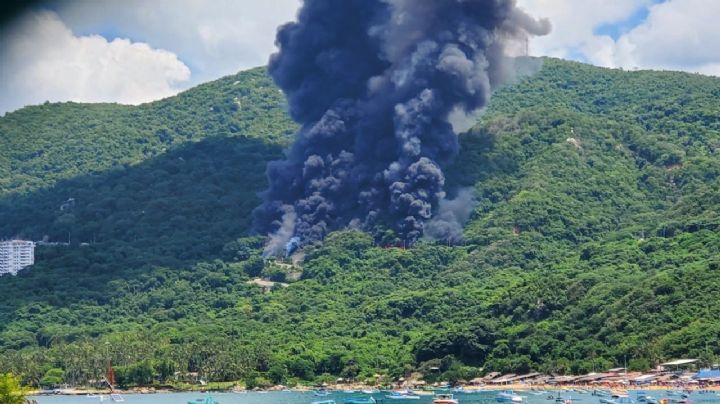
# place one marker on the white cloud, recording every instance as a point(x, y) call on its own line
point(573, 23)
point(215, 38)
point(61, 56)
point(676, 35)
point(41, 59)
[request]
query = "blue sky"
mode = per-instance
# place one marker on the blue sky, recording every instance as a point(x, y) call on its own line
point(134, 51)
point(617, 29)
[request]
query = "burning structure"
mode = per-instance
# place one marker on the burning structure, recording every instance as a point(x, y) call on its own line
point(373, 84)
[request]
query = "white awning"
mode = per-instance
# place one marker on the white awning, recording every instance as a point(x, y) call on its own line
point(679, 362)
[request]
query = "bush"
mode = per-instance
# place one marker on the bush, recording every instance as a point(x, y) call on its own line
point(10, 390)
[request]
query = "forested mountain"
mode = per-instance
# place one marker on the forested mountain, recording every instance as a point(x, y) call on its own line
point(595, 238)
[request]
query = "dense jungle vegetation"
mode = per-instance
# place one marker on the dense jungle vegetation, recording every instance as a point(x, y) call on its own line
point(596, 238)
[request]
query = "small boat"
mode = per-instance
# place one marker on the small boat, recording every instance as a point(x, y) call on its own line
point(402, 395)
point(445, 399)
point(644, 398)
point(321, 393)
point(559, 399)
point(117, 398)
point(508, 396)
point(206, 400)
point(617, 399)
point(324, 402)
point(370, 391)
point(359, 400)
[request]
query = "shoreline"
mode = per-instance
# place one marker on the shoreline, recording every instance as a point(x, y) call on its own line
point(358, 388)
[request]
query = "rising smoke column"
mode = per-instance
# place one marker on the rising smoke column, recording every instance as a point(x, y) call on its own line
point(372, 82)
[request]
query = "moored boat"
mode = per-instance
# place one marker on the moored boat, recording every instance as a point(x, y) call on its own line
point(645, 398)
point(206, 400)
point(402, 395)
point(617, 399)
point(601, 393)
point(508, 396)
point(445, 399)
point(359, 400)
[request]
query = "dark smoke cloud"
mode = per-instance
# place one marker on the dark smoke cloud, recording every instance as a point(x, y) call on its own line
point(372, 83)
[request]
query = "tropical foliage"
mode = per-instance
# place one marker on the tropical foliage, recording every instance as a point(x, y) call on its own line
point(594, 239)
point(11, 392)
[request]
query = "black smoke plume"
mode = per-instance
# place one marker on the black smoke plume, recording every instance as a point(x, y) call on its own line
point(372, 83)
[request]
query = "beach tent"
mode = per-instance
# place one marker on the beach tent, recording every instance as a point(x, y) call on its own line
point(707, 374)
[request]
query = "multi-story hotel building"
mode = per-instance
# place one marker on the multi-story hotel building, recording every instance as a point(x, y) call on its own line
point(16, 255)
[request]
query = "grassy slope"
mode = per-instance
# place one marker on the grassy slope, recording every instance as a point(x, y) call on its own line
point(578, 254)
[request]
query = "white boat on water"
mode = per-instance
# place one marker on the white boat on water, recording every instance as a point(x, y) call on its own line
point(644, 398)
point(508, 396)
point(402, 395)
point(114, 397)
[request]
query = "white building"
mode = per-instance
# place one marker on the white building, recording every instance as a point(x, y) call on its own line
point(16, 255)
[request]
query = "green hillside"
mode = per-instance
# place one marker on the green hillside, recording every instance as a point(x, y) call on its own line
point(596, 237)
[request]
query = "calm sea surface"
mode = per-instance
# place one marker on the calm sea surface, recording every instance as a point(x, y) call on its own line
point(308, 397)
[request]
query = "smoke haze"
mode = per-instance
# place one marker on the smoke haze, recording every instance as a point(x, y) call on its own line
point(447, 223)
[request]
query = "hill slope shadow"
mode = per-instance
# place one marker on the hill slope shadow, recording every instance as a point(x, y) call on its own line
point(173, 210)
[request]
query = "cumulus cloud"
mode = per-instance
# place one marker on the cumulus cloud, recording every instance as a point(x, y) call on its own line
point(215, 38)
point(41, 59)
point(574, 23)
point(677, 35)
point(133, 51)
point(674, 35)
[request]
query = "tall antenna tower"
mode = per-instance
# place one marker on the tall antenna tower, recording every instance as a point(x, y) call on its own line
point(527, 46)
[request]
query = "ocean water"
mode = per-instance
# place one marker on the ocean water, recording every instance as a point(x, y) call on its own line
point(281, 397)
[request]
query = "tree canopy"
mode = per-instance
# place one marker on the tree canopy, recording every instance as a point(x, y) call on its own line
point(594, 238)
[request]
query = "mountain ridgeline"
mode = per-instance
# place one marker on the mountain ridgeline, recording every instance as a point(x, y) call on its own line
point(595, 238)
